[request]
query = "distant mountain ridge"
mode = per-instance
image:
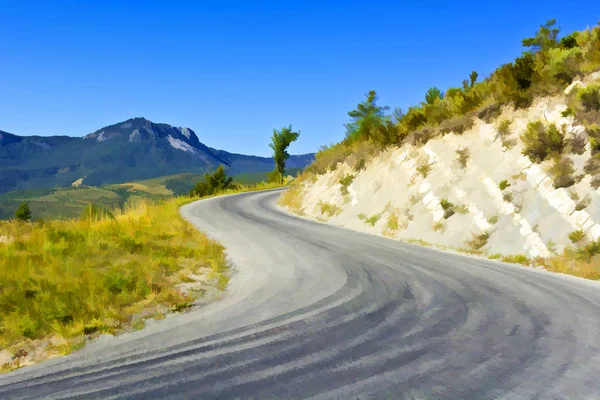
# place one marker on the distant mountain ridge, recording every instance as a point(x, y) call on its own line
point(129, 150)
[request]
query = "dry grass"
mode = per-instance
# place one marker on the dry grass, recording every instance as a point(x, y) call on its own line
point(292, 198)
point(80, 277)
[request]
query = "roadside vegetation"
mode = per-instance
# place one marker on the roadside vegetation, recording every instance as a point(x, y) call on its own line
point(63, 282)
point(549, 64)
point(546, 67)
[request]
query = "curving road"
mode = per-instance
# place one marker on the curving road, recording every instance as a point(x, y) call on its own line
point(315, 311)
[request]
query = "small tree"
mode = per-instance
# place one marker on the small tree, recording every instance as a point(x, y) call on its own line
point(23, 213)
point(280, 141)
point(366, 118)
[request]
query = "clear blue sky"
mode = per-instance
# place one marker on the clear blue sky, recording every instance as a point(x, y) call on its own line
point(234, 70)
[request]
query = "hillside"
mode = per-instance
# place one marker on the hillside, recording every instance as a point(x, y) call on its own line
point(68, 202)
point(131, 150)
point(515, 178)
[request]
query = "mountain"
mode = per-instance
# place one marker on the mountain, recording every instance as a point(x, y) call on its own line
point(131, 150)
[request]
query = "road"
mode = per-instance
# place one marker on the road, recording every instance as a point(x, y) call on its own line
point(319, 312)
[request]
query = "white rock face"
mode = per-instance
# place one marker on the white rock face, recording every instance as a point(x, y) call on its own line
point(180, 145)
point(185, 132)
point(133, 135)
point(528, 217)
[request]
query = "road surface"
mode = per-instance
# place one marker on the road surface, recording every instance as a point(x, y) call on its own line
point(319, 312)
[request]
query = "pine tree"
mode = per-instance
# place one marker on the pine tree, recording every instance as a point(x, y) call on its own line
point(23, 213)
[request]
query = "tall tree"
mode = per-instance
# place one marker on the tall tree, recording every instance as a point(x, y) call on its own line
point(280, 141)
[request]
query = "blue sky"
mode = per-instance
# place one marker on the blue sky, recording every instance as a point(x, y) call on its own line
point(233, 71)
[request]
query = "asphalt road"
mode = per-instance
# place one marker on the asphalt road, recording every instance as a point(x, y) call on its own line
point(315, 311)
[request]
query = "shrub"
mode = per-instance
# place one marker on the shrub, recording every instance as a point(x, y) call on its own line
point(458, 124)
point(507, 197)
point(393, 222)
point(576, 143)
point(593, 133)
point(23, 213)
point(439, 227)
point(447, 207)
point(489, 112)
point(595, 182)
point(568, 112)
point(592, 165)
point(562, 172)
point(345, 182)
point(213, 183)
point(424, 170)
point(539, 141)
point(590, 97)
point(503, 128)
point(503, 185)
point(372, 220)
point(581, 205)
point(462, 156)
point(478, 241)
point(589, 251)
point(329, 208)
point(493, 220)
point(360, 165)
point(576, 236)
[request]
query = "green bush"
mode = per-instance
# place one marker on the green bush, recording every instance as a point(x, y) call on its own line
point(345, 182)
point(213, 183)
point(576, 236)
point(424, 170)
point(503, 185)
point(540, 142)
point(589, 97)
point(448, 208)
point(562, 170)
point(23, 213)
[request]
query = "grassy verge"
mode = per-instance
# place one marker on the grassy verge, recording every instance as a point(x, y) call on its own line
point(65, 281)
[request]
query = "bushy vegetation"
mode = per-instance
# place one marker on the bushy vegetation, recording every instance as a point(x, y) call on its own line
point(75, 277)
point(562, 170)
point(213, 183)
point(447, 207)
point(547, 66)
point(503, 185)
point(23, 213)
point(462, 156)
point(541, 141)
point(345, 182)
point(329, 209)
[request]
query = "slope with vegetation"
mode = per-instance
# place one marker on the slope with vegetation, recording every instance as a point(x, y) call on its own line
point(64, 282)
point(69, 202)
point(507, 167)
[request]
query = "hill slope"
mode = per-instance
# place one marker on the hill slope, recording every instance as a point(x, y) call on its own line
point(507, 168)
point(130, 150)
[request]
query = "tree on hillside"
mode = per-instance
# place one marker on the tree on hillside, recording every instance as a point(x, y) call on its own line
point(280, 141)
point(545, 38)
point(213, 183)
point(23, 213)
point(432, 95)
point(367, 117)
